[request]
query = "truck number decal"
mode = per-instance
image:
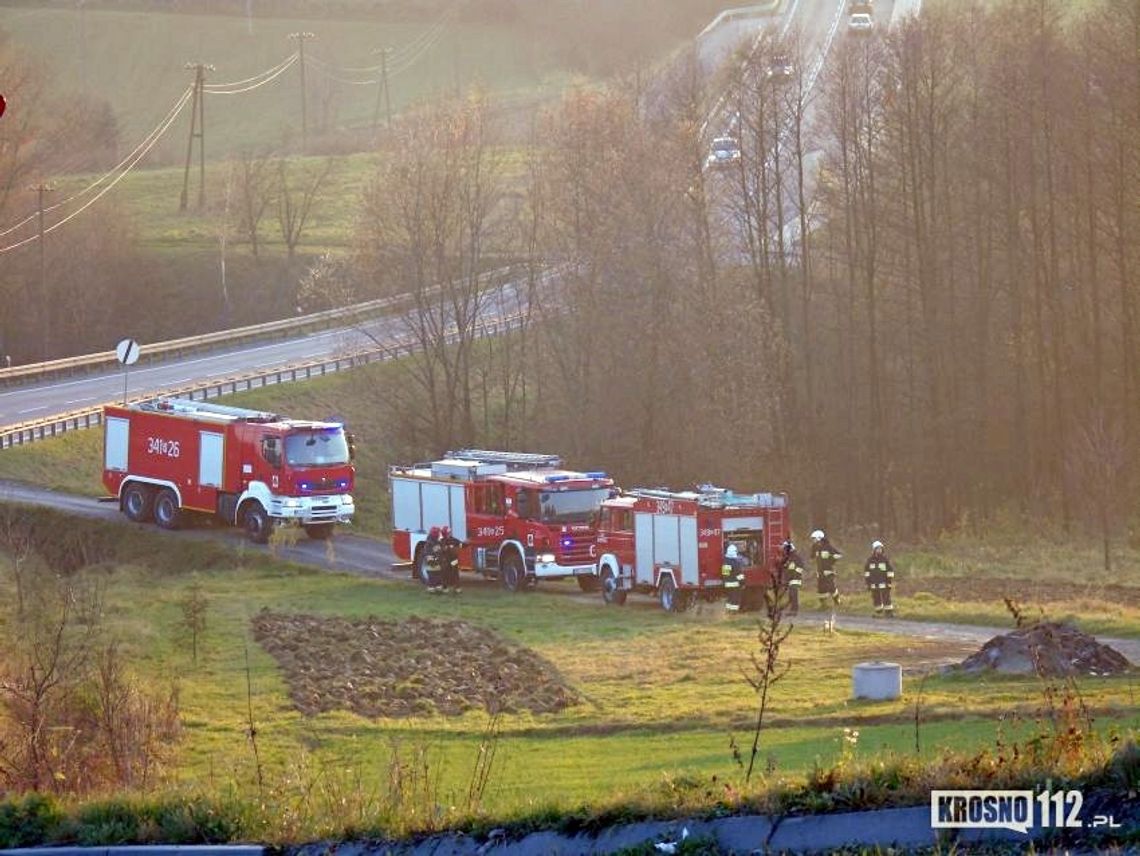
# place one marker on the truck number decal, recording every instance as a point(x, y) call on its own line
point(167, 448)
point(710, 533)
point(664, 506)
point(490, 531)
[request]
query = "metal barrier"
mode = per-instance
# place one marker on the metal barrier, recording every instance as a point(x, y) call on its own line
point(176, 347)
point(41, 429)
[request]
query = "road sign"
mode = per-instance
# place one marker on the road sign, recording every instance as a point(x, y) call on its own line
point(127, 351)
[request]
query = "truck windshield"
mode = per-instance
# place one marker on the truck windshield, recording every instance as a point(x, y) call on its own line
point(571, 506)
point(320, 448)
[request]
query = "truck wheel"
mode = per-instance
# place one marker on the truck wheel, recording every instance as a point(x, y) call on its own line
point(610, 592)
point(167, 514)
point(588, 584)
point(512, 574)
point(419, 567)
point(138, 503)
point(256, 523)
point(667, 591)
point(320, 531)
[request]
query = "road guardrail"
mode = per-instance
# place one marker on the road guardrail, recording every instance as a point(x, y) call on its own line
point(53, 426)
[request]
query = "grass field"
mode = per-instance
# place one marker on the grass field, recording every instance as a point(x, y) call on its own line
point(661, 696)
point(136, 62)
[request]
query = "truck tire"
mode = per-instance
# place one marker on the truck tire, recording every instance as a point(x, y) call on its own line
point(256, 523)
point(419, 568)
point(138, 503)
point(611, 594)
point(320, 531)
point(588, 584)
point(667, 592)
point(167, 513)
point(512, 574)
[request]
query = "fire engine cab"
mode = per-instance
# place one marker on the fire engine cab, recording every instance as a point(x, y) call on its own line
point(672, 544)
point(167, 456)
point(521, 517)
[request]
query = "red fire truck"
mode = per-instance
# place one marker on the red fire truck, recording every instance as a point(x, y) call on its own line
point(672, 544)
point(168, 456)
point(520, 516)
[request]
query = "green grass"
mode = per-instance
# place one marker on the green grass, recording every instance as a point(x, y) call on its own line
point(662, 694)
point(135, 60)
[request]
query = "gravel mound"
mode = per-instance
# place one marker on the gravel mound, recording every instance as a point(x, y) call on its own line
point(416, 667)
point(1047, 649)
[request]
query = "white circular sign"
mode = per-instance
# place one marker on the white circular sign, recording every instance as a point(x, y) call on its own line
point(127, 351)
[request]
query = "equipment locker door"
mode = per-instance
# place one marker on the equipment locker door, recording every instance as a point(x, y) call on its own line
point(210, 451)
point(117, 443)
point(407, 509)
point(690, 569)
point(667, 543)
point(436, 504)
point(458, 512)
point(643, 539)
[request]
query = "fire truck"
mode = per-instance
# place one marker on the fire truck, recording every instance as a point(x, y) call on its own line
point(672, 544)
point(166, 457)
point(521, 517)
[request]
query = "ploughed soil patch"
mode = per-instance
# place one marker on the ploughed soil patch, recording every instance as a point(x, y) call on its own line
point(1047, 649)
point(415, 667)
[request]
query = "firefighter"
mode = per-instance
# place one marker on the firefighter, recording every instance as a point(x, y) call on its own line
point(732, 572)
point(880, 576)
point(433, 560)
point(791, 571)
point(449, 559)
point(825, 556)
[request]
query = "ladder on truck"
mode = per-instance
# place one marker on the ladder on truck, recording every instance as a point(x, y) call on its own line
point(511, 460)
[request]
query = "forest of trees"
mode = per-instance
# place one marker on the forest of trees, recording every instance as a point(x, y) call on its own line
point(951, 338)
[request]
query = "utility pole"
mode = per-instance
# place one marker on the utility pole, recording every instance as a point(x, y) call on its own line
point(45, 303)
point(197, 129)
point(300, 37)
point(382, 92)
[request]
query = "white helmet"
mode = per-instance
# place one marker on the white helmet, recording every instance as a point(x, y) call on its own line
point(876, 545)
point(817, 535)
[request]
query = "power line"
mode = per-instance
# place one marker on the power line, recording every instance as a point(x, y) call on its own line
point(102, 178)
point(162, 130)
point(147, 142)
point(265, 77)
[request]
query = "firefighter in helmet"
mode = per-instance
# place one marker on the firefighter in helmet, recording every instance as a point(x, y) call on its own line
point(825, 556)
point(433, 560)
point(880, 576)
point(732, 573)
point(449, 559)
point(791, 576)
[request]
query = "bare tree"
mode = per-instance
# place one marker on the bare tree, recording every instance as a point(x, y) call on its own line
point(427, 228)
point(255, 191)
point(296, 195)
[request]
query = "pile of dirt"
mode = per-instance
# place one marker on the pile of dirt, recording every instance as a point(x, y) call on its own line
point(415, 667)
point(1047, 649)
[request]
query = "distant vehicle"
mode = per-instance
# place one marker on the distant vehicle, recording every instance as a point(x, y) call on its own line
point(861, 23)
point(781, 68)
point(725, 151)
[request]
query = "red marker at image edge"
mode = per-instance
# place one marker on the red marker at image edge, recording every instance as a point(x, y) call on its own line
point(3, 104)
